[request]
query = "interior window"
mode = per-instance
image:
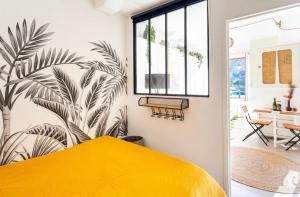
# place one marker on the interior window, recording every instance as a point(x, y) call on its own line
point(171, 50)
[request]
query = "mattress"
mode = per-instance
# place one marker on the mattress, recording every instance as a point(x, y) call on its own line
point(106, 167)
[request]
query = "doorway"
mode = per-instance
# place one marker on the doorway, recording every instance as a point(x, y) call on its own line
point(263, 73)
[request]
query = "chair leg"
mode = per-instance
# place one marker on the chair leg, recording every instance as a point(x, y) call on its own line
point(262, 139)
point(263, 135)
point(290, 140)
point(258, 129)
point(247, 136)
point(257, 132)
point(292, 144)
point(296, 136)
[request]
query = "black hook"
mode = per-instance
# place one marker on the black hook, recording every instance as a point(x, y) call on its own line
point(153, 112)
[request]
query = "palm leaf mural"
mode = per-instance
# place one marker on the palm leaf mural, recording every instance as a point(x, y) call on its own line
point(110, 55)
point(25, 72)
point(123, 127)
point(67, 86)
point(39, 84)
point(68, 89)
point(102, 125)
point(45, 60)
point(26, 42)
point(22, 55)
point(93, 95)
point(8, 148)
point(78, 133)
point(87, 77)
point(94, 117)
point(58, 108)
point(44, 145)
point(117, 84)
point(99, 66)
point(114, 88)
point(55, 132)
point(120, 125)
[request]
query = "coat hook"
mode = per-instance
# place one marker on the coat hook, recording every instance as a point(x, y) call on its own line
point(181, 115)
point(174, 114)
point(153, 112)
point(167, 113)
point(159, 113)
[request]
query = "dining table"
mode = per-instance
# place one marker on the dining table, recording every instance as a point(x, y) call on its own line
point(275, 114)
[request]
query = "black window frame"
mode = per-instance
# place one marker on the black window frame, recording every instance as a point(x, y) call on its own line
point(159, 11)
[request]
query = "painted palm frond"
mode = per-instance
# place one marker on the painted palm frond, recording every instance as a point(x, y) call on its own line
point(95, 116)
point(93, 97)
point(102, 125)
point(99, 66)
point(44, 145)
point(3, 72)
point(94, 93)
point(78, 133)
point(114, 129)
point(55, 132)
point(110, 55)
point(113, 88)
point(117, 85)
point(8, 148)
point(24, 43)
point(87, 77)
point(67, 86)
point(120, 126)
point(45, 60)
point(40, 85)
point(123, 127)
point(58, 108)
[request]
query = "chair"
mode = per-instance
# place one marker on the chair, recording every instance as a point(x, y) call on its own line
point(295, 129)
point(256, 125)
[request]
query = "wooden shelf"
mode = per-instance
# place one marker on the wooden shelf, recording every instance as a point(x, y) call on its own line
point(162, 106)
point(165, 107)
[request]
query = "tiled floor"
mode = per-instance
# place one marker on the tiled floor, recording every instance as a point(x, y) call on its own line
point(240, 190)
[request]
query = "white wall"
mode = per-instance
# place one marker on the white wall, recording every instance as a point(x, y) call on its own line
point(201, 137)
point(261, 95)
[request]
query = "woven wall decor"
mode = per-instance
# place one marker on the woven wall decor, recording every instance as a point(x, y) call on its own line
point(269, 67)
point(285, 66)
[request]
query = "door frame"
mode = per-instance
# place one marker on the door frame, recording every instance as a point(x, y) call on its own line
point(227, 166)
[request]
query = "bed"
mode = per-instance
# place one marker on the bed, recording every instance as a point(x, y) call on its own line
point(106, 167)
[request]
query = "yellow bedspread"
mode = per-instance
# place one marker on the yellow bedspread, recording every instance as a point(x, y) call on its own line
point(106, 167)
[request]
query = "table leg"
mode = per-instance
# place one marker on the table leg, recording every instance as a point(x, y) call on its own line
point(274, 130)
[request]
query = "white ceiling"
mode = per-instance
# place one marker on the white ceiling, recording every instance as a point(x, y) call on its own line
point(265, 30)
point(131, 7)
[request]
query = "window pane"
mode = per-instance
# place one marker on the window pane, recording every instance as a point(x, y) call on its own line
point(237, 75)
point(176, 58)
point(158, 59)
point(142, 57)
point(197, 52)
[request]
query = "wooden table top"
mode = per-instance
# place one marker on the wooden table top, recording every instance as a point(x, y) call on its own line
point(268, 110)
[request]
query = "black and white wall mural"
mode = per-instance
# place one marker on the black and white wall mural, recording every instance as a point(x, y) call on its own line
point(32, 71)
